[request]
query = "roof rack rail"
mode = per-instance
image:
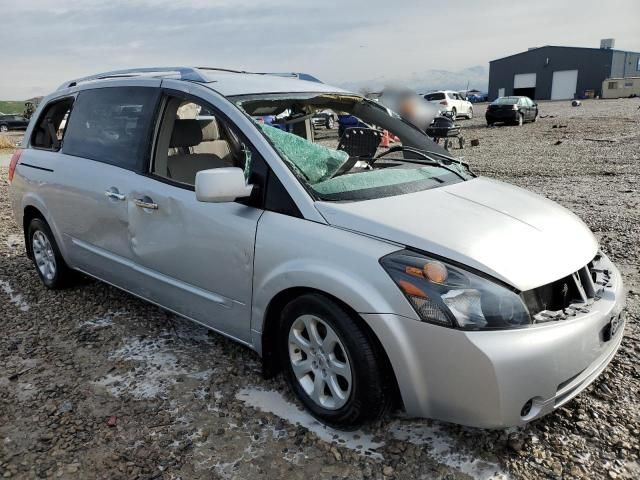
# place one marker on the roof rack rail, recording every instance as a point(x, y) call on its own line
point(186, 73)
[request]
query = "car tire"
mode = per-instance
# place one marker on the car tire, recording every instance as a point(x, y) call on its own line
point(520, 121)
point(330, 123)
point(454, 113)
point(535, 118)
point(4, 128)
point(470, 115)
point(51, 267)
point(331, 363)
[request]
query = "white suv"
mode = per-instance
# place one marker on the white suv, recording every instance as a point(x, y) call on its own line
point(452, 102)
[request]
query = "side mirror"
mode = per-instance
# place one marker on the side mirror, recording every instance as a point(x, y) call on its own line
point(219, 185)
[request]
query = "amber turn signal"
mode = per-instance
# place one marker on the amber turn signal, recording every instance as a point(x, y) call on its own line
point(436, 272)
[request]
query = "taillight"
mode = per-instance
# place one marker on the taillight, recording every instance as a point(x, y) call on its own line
point(444, 102)
point(15, 158)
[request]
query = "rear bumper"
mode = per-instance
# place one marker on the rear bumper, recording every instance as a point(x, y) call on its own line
point(502, 116)
point(484, 379)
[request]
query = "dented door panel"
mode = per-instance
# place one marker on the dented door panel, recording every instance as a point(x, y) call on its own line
point(197, 258)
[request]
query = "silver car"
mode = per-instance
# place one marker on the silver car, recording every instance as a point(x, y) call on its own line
point(393, 278)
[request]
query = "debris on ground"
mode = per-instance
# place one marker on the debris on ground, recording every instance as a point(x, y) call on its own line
point(93, 352)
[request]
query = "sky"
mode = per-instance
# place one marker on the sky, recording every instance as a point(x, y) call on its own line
point(353, 43)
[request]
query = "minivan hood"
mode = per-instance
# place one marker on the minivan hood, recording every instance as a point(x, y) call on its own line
point(510, 233)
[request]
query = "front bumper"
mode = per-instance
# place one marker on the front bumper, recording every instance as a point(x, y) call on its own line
point(484, 378)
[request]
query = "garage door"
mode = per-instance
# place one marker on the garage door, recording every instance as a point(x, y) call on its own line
point(564, 84)
point(524, 80)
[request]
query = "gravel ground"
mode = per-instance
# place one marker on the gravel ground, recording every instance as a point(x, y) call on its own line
point(98, 384)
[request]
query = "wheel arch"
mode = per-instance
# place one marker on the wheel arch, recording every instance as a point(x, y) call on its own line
point(29, 213)
point(268, 338)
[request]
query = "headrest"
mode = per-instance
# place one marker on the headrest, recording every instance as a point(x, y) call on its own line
point(186, 133)
point(210, 130)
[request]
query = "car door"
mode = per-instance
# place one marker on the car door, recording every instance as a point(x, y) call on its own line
point(102, 152)
point(531, 109)
point(197, 257)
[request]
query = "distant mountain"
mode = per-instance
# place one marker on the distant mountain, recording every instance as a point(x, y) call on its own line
point(475, 77)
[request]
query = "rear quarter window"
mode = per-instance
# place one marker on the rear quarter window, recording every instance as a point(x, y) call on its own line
point(112, 125)
point(48, 132)
point(434, 96)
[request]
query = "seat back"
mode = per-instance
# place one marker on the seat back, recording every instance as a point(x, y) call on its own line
point(183, 167)
point(212, 141)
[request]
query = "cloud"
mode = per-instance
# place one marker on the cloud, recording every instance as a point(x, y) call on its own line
point(339, 42)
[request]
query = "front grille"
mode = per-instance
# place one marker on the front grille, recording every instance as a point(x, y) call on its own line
point(570, 295)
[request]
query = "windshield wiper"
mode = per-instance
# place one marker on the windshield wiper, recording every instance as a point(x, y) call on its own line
point(431, 160)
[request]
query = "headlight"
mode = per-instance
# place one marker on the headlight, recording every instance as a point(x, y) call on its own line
point(448, 295)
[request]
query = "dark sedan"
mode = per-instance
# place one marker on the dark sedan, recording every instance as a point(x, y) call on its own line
point(511, 110)
point(13, 122)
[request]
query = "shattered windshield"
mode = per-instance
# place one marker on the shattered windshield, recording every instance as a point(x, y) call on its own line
point(361, 150)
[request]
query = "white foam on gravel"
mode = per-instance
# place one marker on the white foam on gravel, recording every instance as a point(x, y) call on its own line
point(15, 298)
point(156, 370)
point(273, 402)
point(104, 321)
point(442, 447)
point(15, 241)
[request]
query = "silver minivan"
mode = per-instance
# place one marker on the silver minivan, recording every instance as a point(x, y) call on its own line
point(372, 277)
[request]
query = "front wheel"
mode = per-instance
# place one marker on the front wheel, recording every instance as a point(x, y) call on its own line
point(4, 128)
point(520, 119)
point(331, 363)
point(470, 115)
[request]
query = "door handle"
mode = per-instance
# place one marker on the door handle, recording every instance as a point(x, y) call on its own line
point(139, 202)
point(115, 195)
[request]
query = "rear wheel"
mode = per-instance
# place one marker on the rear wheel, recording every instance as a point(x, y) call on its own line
point(51, 267)
point(330, 363)
point(454, 113)
point(4, 128)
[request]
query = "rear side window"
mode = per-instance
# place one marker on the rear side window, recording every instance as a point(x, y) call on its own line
point(434, 96)
point(112, 125)
point(49, 130)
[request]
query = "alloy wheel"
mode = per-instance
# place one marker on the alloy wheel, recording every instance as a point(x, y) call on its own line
point(44, 255)
point(320, 362)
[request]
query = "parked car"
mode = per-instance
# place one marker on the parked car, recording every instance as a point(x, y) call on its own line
point(326, 118)
point(478, 97)
point(450, 101)
point(516, 110)
point(13, 122)
point(398, 279)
